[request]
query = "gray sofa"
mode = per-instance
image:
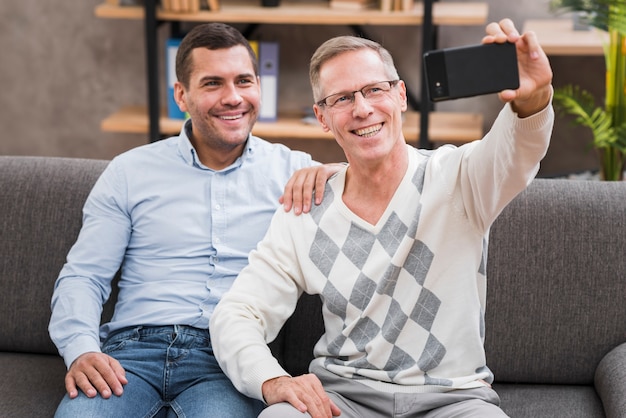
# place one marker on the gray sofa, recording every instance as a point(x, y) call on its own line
point(556, 315)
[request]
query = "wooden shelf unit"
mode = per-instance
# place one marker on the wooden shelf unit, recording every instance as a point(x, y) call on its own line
point(448, 127)
point(558, 37)
point(310, 13)
point(445, 127)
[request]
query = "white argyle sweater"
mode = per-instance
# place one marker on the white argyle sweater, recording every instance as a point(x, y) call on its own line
point(403, 300)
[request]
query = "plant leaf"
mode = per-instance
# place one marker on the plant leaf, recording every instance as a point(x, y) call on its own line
point(604, 14)
point(580, 103)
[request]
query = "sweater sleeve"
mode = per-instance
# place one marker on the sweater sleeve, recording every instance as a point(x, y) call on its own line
point(253, 311)
point(482, 177)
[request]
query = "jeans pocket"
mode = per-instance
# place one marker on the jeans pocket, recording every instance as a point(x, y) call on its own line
point(119, 341)
point(111, 346)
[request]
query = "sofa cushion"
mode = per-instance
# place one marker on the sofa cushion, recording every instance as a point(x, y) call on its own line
point(31, 385)
point(40, 201)
point(549, 401)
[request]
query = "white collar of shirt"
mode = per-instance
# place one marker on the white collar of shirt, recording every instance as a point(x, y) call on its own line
point(189, 154)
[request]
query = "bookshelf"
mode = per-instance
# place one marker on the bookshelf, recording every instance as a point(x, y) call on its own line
point(426, 127)
point(558, 37)
point(445, 127)
point(309, 13)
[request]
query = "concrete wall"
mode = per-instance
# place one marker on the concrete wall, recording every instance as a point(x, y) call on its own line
point(64, 70)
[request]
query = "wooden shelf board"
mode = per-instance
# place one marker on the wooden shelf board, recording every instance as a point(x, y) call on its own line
point(558, 37)
point(445, 127)
point(310, 13)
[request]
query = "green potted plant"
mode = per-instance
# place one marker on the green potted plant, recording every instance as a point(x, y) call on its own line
point(607, 122)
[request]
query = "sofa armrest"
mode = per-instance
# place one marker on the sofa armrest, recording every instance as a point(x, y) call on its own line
point(610, 382)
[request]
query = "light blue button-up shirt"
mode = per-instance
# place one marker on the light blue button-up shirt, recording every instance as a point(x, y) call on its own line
point(180, 231)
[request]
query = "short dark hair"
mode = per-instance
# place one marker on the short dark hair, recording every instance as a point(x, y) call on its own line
point(210, 36)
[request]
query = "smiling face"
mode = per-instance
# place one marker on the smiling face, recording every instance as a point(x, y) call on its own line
point(367, 131)
point(223, 99)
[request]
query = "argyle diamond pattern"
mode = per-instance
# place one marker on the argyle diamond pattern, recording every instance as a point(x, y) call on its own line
point(382, 308)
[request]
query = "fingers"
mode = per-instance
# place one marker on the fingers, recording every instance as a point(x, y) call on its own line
point(505, 30)
point(320, 186)
point(532, 46)
point(501, 32)
point(70, 387)
point(298, 191)
point(95, 373)
point(305, 393)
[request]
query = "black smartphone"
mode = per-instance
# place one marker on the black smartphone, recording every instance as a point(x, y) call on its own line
point(453, 73)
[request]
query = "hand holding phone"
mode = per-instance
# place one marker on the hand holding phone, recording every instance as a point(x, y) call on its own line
point(453, 73)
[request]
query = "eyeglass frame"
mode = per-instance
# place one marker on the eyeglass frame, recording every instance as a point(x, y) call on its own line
point(352, 94)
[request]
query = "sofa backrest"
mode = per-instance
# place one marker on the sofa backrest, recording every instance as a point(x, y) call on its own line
point(556, 275)
point(41, 200)
point(557, 282)
point(556, 271)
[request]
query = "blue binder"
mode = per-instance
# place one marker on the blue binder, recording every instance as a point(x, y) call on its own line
point(171, 47)
point(268, 72)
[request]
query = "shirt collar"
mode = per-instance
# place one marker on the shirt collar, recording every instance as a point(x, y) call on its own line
point(190, 156)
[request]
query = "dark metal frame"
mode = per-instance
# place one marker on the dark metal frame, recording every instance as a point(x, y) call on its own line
point(424, 106)
point(429, 42)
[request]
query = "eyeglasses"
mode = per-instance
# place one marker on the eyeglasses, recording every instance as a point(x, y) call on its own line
point(373, 93)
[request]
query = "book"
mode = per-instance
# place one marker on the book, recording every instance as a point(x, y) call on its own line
point(268, 72)
point(171, 47)
point(214, 5)
point(255, 47)
point(408, 5)
point(181, 6)
point(385, 5)
point(352, 4)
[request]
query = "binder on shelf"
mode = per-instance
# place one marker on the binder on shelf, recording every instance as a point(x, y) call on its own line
point(352, 4)
point(214, 5)
point(255, 47)
point(171, 47)
point(180, 6)
point(268, 72)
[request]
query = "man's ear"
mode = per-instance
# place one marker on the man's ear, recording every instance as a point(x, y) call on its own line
point(320, 117)
point(179, 96)
point(403, 96)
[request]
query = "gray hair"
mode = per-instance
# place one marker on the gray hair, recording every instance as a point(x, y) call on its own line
point(339, 45)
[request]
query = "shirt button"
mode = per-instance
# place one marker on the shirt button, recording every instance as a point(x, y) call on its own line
point(218, 207)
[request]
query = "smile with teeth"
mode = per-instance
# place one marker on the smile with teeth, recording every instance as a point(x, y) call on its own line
point(369, 131)
point(232, 117)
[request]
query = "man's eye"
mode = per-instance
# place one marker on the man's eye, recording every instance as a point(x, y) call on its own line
point(342, 98)
point(245, 81)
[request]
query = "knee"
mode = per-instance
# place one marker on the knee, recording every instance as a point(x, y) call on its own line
point(282, 410)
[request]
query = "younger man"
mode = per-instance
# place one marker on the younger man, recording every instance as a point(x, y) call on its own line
point(180, 216)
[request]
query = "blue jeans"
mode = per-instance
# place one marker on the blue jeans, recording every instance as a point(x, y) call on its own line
point(171, 372)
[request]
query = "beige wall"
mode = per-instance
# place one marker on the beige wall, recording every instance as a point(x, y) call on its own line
point(64, 70)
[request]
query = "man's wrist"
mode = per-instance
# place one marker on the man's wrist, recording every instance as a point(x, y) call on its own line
point(266, 387)
point(535, 104)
